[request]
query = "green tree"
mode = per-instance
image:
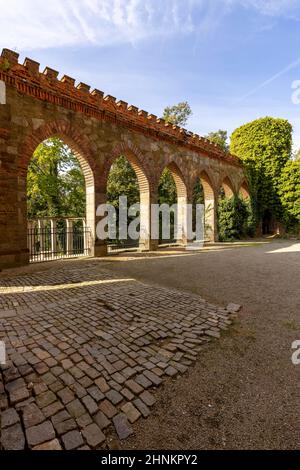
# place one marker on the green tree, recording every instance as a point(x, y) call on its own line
point(122, 181)
point(234, 215)
point(55, 182)
point(178, 114)
point(264, 146)
point(167, 192)
point(220, 138)
point(289, 191)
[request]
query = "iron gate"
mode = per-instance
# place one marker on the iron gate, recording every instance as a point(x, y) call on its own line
point(50, 239)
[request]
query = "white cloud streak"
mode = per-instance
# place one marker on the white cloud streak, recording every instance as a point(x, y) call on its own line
point(291, 66)
point(31, 24)
point(28, 24)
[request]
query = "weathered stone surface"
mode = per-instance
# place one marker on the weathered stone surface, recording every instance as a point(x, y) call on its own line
point(114, 397)
point(142, 407)
point(147, 398)
point(51, 445)
point(133, 386)
point(131, 412)
point(143, 381)
point(39, 434)
point(171, 371)
point(92, 392)
point(75, 408)
point(101, 420)
point(12, 438)
point(122, 426)
point(108, 409)
point(90, 404)
point(234, 308)
point(72, 440)
point(45, 399)
point(9, 417)
point(32, 415)
point(18, 395)
point(84, 420)
point(93, 435)
point(60, 417)
point(65, 426)
point(152, 377)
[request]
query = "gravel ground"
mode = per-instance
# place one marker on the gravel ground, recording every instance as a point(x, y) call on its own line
point(243, 392)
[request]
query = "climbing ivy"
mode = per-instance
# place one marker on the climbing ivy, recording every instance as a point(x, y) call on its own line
point(289, 192)
point(265, 147)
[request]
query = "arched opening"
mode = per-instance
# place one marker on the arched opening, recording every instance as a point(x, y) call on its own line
point(127, 187)
point(203, 193)
point(235, 213)
point(172, 190)
point(60, 202)
point(244, 191)
point(226, 189)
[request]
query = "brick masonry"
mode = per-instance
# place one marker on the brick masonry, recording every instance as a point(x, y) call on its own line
point(87, 350)
point(35, 106)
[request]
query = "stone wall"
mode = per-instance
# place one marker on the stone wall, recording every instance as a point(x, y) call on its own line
point(35, 107)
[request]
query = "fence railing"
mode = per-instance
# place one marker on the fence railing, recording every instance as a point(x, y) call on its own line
point(55, 238)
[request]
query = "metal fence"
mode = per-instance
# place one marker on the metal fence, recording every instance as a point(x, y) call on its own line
point(50, 239)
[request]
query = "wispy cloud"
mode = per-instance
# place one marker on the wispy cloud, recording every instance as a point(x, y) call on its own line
point(291, 66)
point(30, 24)
point(286, 8)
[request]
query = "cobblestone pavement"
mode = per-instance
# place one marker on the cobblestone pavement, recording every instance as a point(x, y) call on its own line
point(86, 351)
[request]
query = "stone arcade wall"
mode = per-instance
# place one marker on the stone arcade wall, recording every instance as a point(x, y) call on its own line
point(35, 106)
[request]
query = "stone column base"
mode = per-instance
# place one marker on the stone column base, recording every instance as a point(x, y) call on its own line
point(13, 259)
point(99, 250)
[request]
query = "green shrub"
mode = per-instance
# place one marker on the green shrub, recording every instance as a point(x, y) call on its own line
point(235, 219)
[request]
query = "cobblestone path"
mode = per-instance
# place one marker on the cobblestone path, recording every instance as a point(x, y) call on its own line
point(86, 350)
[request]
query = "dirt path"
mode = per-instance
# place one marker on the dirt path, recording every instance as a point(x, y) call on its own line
point(244, 393)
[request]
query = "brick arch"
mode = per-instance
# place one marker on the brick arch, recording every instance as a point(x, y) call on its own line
point(207, 184)
point(145, 182)
point(244, 190)
point(179, 179)
point(71, 136)
point(228, 187)
point(80, 146)
point(136, 160)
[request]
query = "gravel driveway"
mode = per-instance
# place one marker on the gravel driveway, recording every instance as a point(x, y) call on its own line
point(245, 393)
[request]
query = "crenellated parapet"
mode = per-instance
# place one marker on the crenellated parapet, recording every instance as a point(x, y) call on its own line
point(46, 86)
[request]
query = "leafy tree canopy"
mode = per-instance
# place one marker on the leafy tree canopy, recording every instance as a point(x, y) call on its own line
point(265, 147)
point(178, 114)
point(55, 182)
point(167, 192)
point(289, 190)
point(122, 181)
point(220, 138)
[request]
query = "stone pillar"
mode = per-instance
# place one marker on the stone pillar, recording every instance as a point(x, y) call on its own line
point(98, 246)
point(53, 226)
point(210, 218)
point(30, 236)
point(86, 241)
point(41, 232)
point(69, 227)
point(182, 214)
point(13, 216)
point(145, 221)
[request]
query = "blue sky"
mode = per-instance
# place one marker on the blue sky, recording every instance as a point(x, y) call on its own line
point(232, 60)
